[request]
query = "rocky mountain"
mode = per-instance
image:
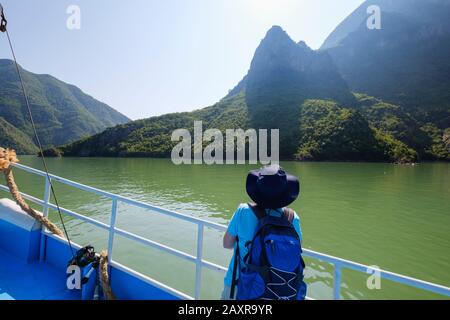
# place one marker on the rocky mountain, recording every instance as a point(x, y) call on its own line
point(428, 13)
point(406, 62)
point(282, 75)
point(62, 112)
point(288, 87)
point(366, 95)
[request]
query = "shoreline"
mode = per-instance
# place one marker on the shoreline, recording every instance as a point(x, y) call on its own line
point(281, 160)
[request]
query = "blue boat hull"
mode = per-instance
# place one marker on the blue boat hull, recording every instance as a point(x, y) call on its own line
point(35, 270)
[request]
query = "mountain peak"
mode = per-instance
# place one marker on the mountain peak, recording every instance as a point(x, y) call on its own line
point(294, 68)
point(277, 35)
point(276, 29)
point(302, 44)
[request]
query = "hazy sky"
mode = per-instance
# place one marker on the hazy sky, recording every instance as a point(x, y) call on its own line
point(148, 57)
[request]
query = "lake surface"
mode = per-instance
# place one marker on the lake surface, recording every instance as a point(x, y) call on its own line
point(394, 217)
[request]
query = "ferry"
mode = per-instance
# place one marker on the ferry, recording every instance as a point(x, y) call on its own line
point(33, 261)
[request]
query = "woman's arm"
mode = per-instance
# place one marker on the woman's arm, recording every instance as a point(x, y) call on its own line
point(229, 238)
point(228, 241)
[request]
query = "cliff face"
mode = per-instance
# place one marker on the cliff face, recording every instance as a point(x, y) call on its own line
point(282, 75)
point(406, 62)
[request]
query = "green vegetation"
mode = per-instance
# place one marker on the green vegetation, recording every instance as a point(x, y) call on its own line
point(11, 137)
point(62, 112)
point(152, 137)
point(426, 139)
point(393, 149)
point(439, 148)
point(329, 132)
point(282, 76)
point(326, 130)
point(405, 62)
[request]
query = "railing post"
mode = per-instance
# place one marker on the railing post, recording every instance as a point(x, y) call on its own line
point(198, 266)
point(45, 210)
point(112, 226)
point(337, 282)
point(46, 196)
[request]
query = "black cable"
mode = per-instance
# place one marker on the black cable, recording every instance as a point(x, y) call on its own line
point(37, 139)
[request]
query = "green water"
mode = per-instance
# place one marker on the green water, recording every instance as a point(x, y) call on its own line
point(394, 217)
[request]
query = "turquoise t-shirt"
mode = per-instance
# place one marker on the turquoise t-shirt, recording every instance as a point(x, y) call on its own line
point(243, 224)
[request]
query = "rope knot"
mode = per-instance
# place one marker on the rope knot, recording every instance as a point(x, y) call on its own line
point(7, 156)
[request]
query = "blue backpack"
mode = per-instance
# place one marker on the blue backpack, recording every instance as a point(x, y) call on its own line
point(274, 265)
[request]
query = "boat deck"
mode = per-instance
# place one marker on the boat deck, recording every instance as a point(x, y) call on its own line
point(31, 281)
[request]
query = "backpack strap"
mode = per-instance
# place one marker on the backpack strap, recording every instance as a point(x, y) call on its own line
point(236, 266)
point(260, 213)
point(257, 210)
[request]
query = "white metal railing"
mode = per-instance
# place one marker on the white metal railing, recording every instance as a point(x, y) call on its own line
point(338, 263)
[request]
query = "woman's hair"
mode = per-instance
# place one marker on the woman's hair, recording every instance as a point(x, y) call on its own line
point(257, 208)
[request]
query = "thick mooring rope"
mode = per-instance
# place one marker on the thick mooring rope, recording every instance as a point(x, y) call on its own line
point(104, 276)
point(25, 207)
point(7, 157)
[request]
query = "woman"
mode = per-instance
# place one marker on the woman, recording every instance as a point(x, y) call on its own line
point(272, 190)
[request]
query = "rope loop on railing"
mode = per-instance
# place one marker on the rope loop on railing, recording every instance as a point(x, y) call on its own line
point(104, 276)
point(8, 156)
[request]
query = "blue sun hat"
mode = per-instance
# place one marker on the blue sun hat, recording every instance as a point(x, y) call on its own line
point(271, 187)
